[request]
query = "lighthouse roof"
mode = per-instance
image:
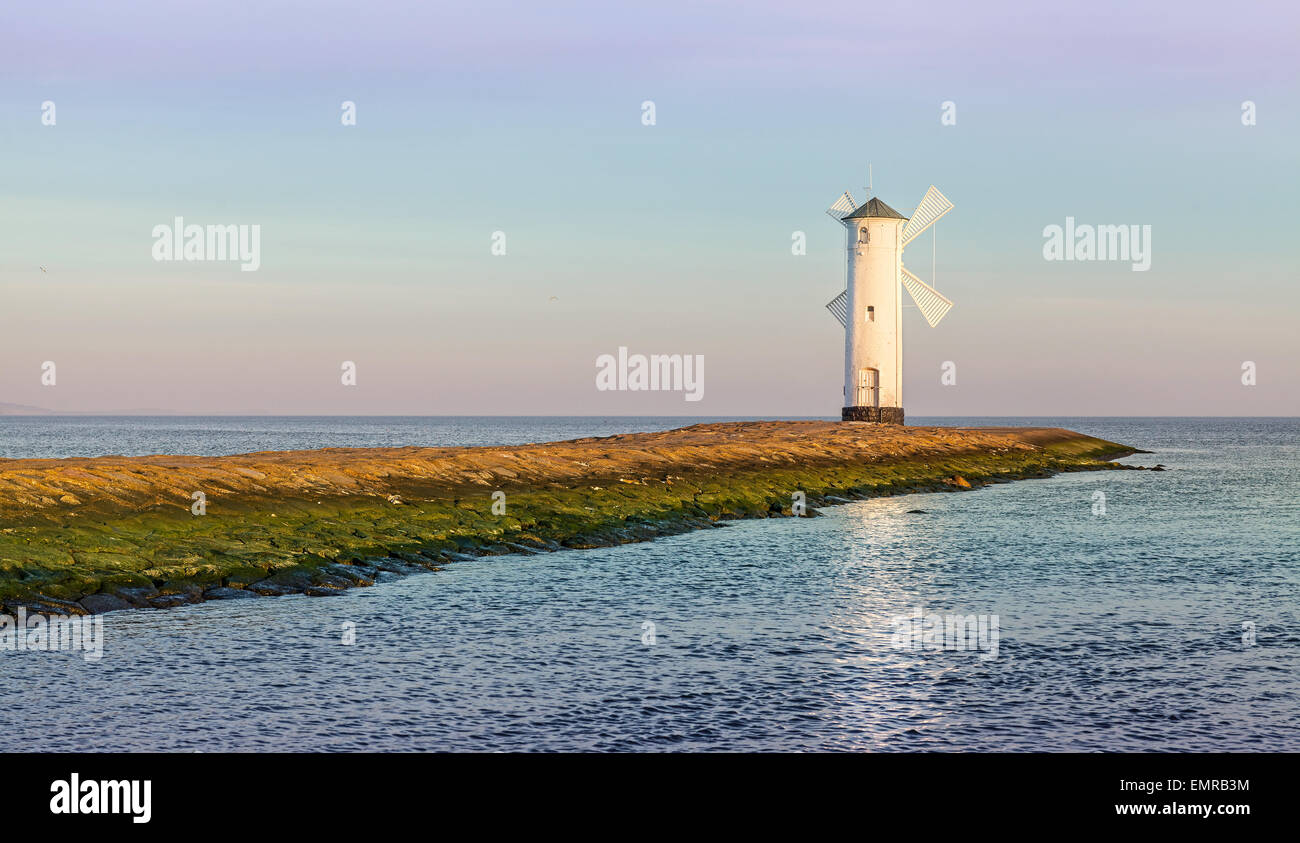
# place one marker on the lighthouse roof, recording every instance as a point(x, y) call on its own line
point(875, 208)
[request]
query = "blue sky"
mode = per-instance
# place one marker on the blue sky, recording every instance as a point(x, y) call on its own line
point(672, 238)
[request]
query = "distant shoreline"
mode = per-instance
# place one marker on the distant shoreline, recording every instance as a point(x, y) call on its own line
point(87, 535)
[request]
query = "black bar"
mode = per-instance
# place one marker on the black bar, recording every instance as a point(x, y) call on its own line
point(233, 792)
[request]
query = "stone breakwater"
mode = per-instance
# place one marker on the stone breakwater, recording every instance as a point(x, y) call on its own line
point(93, 535)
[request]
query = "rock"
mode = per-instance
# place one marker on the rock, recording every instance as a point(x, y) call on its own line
point(322, 591)
point(224, 593)
point(137, 596)
point(539, 543)
point(245, 576)
point(396, 500)
point(290, 581)
point(266, 588)
point(324, 580)
point(71, 500)
point(182, 589)
point(350, 573)
point(98, 604)
point(419, 559)
point(171, 601)
point(960, 482)
point(916, 512)
point(293, 578)
point(42, 605)
point(1158, 467)
point(396, 566)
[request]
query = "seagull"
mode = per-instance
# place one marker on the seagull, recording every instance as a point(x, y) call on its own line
point(43, 269)
point(555, 298)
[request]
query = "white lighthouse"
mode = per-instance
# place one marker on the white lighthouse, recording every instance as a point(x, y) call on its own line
point(871, 306)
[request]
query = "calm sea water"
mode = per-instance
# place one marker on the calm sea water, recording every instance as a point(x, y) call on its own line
point(95, 436)
point(1120, 631)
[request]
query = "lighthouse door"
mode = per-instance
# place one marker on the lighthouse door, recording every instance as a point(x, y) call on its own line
point(868, 388)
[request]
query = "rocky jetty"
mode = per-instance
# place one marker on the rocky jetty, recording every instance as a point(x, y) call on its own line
point(94, 535)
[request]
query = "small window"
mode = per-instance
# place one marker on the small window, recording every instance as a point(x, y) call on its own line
point(863, 236)
point(871, 313)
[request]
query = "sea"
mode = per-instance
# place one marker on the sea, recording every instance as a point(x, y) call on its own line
point(1121, 611)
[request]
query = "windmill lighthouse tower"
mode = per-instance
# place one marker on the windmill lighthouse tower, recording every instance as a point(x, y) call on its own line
point(871, 307)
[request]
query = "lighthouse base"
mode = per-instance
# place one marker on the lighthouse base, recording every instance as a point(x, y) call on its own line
point(884, 415)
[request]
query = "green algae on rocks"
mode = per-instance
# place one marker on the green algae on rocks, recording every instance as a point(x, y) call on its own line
point(97, 534)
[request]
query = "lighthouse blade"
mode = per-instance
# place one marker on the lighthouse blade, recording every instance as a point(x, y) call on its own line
point(932, 304)
point(842, 207)
point(933, 205)
point(839, 308)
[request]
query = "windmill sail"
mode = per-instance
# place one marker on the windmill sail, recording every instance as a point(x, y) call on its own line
point(842, 207)
point(933, 205)
point(839, 308)
point(931, 302)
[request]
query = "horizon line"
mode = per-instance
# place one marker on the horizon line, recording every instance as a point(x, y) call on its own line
point(774, 416)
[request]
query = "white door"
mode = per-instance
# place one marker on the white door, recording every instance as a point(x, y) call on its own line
point(868, 388)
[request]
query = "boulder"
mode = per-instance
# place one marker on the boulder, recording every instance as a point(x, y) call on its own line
point(293, 578)
point(324, 580)
point(355, 574)
point(183, 589)
point(397, 566)
point(266, 588)
point(98, 604)
point(42, 605)
point(137, 596)
point(171, 601)
point(224, 593)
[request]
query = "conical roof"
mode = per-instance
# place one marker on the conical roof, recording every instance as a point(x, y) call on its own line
point(875, 208)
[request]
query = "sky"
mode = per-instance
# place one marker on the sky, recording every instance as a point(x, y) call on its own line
point(376, 239)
